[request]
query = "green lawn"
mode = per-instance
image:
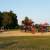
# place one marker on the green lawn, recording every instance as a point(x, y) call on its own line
point(25, 43)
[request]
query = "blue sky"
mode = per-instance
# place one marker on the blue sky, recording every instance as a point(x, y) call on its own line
point(37, 10)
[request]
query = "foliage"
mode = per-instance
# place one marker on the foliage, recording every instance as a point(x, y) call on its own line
point(1, 19)
point(27, 23)
point(8, 20)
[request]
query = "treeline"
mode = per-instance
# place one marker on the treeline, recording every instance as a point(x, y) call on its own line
point(8, 20)
point(28, 25)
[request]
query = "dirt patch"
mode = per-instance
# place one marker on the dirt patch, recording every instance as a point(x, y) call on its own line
point(20, 33)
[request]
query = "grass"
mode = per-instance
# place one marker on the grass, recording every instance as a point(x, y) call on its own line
point(25, 42)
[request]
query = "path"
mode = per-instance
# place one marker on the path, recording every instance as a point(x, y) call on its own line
point(20, 33)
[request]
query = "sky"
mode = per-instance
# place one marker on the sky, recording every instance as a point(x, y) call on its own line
point(37, 10)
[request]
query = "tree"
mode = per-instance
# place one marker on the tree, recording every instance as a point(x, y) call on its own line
point(14, 22)
point(9, 20)
point(1, 19)
point(37, 26)
point(27, 23)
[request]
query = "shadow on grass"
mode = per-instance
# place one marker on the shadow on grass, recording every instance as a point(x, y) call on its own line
point(25, 42)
